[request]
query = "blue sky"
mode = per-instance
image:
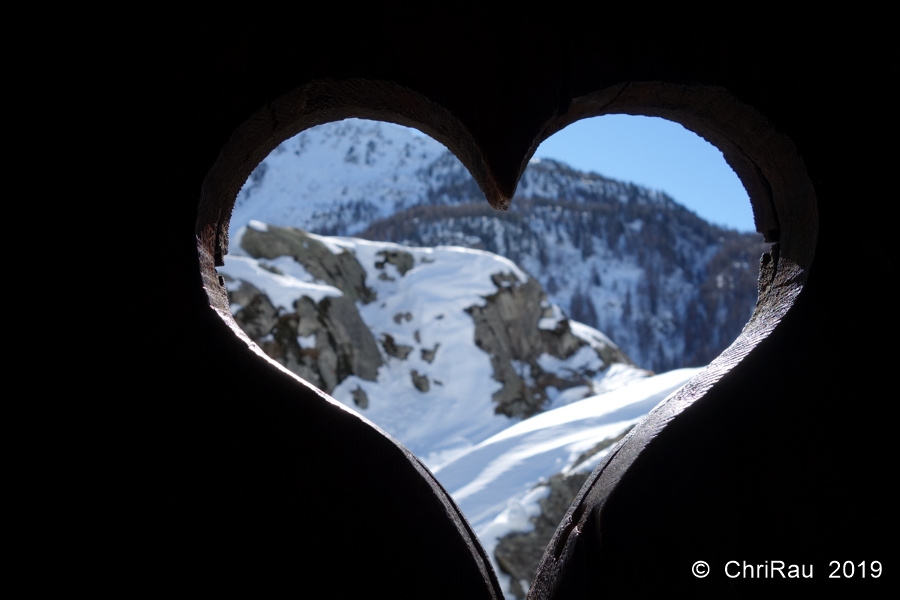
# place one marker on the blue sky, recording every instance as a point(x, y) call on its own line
point(658, 154)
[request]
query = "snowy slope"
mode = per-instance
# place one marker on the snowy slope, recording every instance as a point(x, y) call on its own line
point(495, 467)
point(521, 455)
point(497, 483)
point(425, 310)
point(338, 177)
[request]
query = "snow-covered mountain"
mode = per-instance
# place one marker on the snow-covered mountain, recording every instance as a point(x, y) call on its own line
point(452, 351)
point(516, 486)
point(671, 289)
point(340, 177)
point(475, 341)
point(441, 347)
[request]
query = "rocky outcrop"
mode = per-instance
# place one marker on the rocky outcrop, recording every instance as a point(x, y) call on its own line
point(404, 261)
point(529, 342)
point(428, 355)
point(584, 237)
point(508, 328)
point(394, 349)
point(341, 270)
point(322, 342)
point(420, 381)
point(360, 397)
point(257, 317)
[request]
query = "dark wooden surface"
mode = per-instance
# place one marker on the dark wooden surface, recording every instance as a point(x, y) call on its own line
point(779, 452)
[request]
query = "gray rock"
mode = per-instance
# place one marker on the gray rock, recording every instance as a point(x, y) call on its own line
point(257, 316)
point(506, 327)
point(420, 381)
point(402, 260)
point(342, 270)
point(270, 268)
point(360, 397)
point(351, 337)
point(562, 342)
point(344, 346)
point(394, 349)
point(428, 355)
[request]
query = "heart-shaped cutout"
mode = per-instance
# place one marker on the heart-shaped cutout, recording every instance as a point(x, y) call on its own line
point(428, 368)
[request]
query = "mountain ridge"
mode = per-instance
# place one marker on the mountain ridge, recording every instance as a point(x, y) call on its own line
point(670, 288)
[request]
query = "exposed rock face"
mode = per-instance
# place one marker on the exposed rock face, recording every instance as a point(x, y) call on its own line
point(529, 342)
point(402, 260)
point(351, 336)
point(342, 270)
point(428, 355)
point(507, 328)
point(394, 349)
point(321, 342)
point(400, 317)
point(518, 554)
point(420, 381)
point(360, 397)
point(257, 316)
